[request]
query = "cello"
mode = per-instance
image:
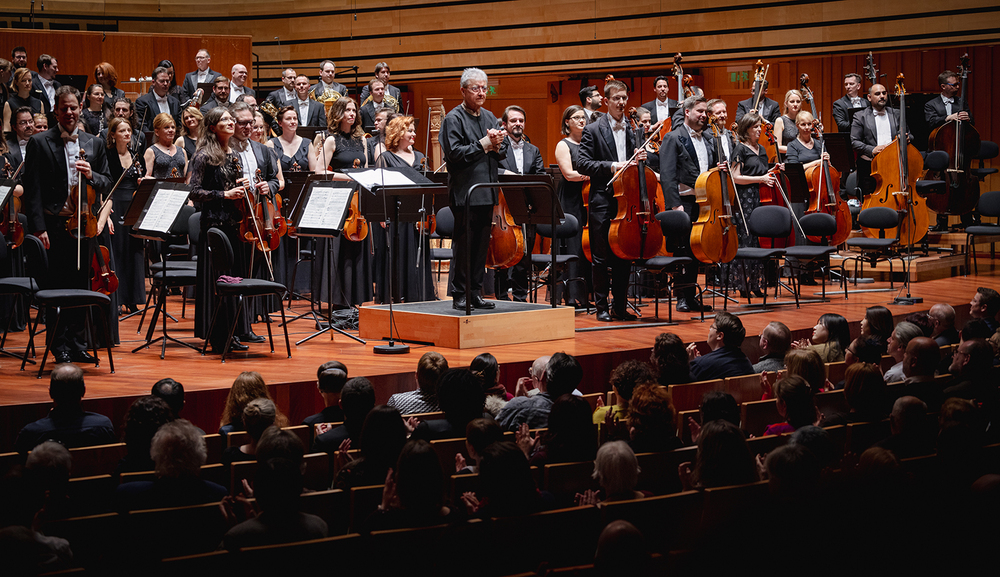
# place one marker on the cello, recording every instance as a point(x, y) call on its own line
point(506, 237)
point(960, 139)
point(895, 171)
point(823, 197)
point(635, 233)
point(713, 235)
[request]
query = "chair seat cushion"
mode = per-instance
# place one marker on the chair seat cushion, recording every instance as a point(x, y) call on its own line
point(983, 229)
point(249, 287)
point(18, 284)
point(181, 277)
point(662, 262)
point(982, 172)
point(871, 243)
point(71, 298)
point(305, 254)
point(173, 265)
point(545, 259)
point(807, 251)
point(442, 254)
point(759, 253)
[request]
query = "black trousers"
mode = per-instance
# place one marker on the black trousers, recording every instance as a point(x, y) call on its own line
point(473, 246)
point(609, 270)
point(70, 336)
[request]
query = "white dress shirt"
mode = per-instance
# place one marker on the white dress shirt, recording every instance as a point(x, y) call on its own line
point(50, 93)
point(248, 160)
point(201, 77)
point(702, 152)
point(662, 110)
point(235, 91)
point(162, 102)
point(947, 105)
point(883, 131)
point(289, 94)
point(303, 111)
point(618, 131)
point(518, 149)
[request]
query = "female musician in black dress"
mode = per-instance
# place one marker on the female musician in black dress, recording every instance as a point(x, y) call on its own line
point(784, 126)
point(127, 250)
point(164, 159)
point(191, 126)
point(750, 169)
point(295, 153)
point(125, 108)
point(574, 120)
point(344, 148)
point(217, 189)
point(411, 258)
point(175, 90)
point(20, 96)
point(106, 75)
point(92, 114)
point(805, 149)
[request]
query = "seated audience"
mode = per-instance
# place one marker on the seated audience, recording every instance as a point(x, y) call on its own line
point(506, 487)
point(901, 336)
point(25, 550)
point(911, 434)
point(984, 306)
point(865, 392)
point(143, 419)
point(650, 421)
point(562, 375)
point(775, 340)
point(330, 380)
point(258, 415)
point(47, 471)
point(795, 403)
point(178, 453)
point(479, 434)
point(920, 360)
point(172, 392)
point(877, 323)
point(249, 385)
point(382, 438)
point(486, 368)
point(669, 359)
point(461, 396)
point(616, 470)
point(830, 339)
point(723, 458)
point(67, 422)
point(714, 405)
point(357, 398)
point(942, 317)
point(534, 383)
point(414, 491)
point(423, 400)
point(624, 379)
point(622, 551)
point(817, 440)
point(793, 474)
point(923, 322)
point(570, 437)
point(726, 359)
point(805, 363)
point(974, 376)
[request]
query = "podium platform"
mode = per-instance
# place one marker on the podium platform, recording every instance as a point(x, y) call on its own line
point(436, 322)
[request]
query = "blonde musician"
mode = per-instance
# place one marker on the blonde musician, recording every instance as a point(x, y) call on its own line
point(164, 159)
point(785, 129)
point(192, 123)
point(805, 149)
point(128, 251)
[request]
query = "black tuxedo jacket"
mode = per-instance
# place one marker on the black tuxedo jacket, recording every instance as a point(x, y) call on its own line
point(368, 117)
point(390, 90)
point(864, 137)
point(46, 184)
point(769, 109)
point(935, 112)
point(468, 163)
point(316, 115)
point(597, 153)
point(651, 107)
point(679, 163)
point(336, 86)
point(191, 81)
point(278, 98)
point(840, 114)
point(14, 153)
point(531, 161)
point(38, 91)
point(146, 109)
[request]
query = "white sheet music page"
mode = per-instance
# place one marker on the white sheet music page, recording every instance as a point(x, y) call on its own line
point(162, 212)
point(380, 177)
point(326, 208)
point(5, 190)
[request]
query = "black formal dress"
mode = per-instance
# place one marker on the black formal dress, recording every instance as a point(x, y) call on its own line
point(15, 102)
point(300, 158)
point(190, 147)
point(571, 199)
point(94, 121)
point(128, 251)
point(751, 164)
point(165, 165)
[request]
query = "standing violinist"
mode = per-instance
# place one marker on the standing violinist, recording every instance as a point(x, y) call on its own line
point(53, 169)
point(947, 108)
point(473, 147)
point(685, 153)
point(850, 100)
point(767, 109)
point(522, 158)
point(871, 131)
point(749, 167)
point(606, 147)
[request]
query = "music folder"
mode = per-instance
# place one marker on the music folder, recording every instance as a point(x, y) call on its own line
point(322, 208)
point(161, 209)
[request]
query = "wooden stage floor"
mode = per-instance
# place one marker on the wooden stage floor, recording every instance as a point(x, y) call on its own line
point(23, 397)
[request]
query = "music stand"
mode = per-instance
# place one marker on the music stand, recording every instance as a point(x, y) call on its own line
point(207, 89)
point(838, 144)
point(294, 183)
point(158, 218)
point(309, 132)
point(531, 199)
point(798, 185)
point(320, 212)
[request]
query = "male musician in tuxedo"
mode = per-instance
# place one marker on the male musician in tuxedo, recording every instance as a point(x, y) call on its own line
point(201, 75)
point(44, 85)
point(19, 57)
point(767, 109)
point(718, 110)
point(310, 112)
point(237, 83)
point(17, 139)
point(473, 146)
point(382, 73)
point(871, 131)
point(851, 99)
point(685, 154)
point(327, 72)
point(608, 145)
point(376, 103)
point(947, 108)
point(220, 94)
point(591, 101)
point(522, 158)
point(286, 94)
point(376, 144)
point(662, 106)
point(157, 101)
point(53, 170)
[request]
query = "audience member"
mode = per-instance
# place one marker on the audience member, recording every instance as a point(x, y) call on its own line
point(793, 474)
point(621, 550)
point(723, 458)
point(911, 435)
point(775, 340)
point(506, 487)
point(624, 379)
point(357, 398)
point(817, 440)
point(920, 360)
point(923, 322)
point(570, 437)
point(562, 375)
point(651, 420)
point(942, 317)
point(670, 360)
point(414, 491)
point(865, 350)
point(47, 470)
point(143, 419)
point(486, 368)
point(616, 470)
point(330, 382)
point(249, 385)
point(985, 305)
point(479, 434)
point(830, 339)
point(172, 392)
point(973, 379)
point(178, 453)
point(25, 550)
point(865, 393)
point(382, 438)
point(67, 422)
point(901, 336)
point(795, 403)
point(714, 405)
point(278, 443)
point(424, 399)
point(461, 396)
point(258, 415)
point(726, 359)
point(877, 323)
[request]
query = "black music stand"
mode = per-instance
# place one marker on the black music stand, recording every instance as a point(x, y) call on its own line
point(155, 214)
point(400, 203)
point(295, 184)
point(838, 144)
point(531, 199)
point(320, 212)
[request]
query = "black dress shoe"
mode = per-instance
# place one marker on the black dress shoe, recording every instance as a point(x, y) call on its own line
point(252, 338)
point(759, 293)
point(623, 316)
point(691, 306)
point(604, 316)
point(83, 357)
point(479, 303)
point(62, 357)
point(458, 303)
point(236, 346)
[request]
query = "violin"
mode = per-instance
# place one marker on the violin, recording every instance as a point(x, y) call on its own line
point(960, 140)
point(82, 223)
point(713, 235)
point(506, 238)
point(10, 226)
point(104, 280)
point(895, 171)
point(355, 225)
point(775, 195)
point(635, 233)
point(823, 196)
point(252, 227)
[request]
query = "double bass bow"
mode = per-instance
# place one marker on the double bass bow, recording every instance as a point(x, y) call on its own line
point(713, 235)
point(960, 139)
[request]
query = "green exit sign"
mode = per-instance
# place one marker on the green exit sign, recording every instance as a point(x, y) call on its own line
point(741, 76)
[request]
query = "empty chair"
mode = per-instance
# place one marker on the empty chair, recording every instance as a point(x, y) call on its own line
point(875, 250)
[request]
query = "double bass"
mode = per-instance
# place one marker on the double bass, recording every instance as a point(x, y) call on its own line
point(960, 139)
point(635, 233)
point(713, 235)
point(895, 171)
point(506, 237)
point(775, 195)
point(824, 197)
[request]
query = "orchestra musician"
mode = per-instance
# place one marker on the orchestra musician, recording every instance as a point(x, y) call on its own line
point(768, 109)
point(191, 126)
point(220, 94)
point(6, 73)
point(717, 109)
point(164, 157)
point(106, 75)
point(872, 130)
point(376, 144)
point(93, 110)
point(19, 57)
point(310, 112)
point(522, 158)
point(17, 139)
point(685, 153)
point(851, 99)
point(128, 252)
point(661, 107)
point(574, 120)
point(591, 101)
point(944, 109)
point(749, 167)
point(20, 96)
point(202, 74)
point(326, 84)
point(285, 95)
point(473, 146)
point(606, 146)
point(52, 172)
point(44, 84)
point(785, 128)
point(157, 101)
point(373, 105)
point(174, 90)
point(124, 108)
point(382, 73)
point(237, 83)
point(294, 152)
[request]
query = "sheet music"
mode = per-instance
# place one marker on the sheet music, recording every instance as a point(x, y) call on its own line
point(163, 209)
point(326, 207)
point(5, 192)
point(380, 177)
